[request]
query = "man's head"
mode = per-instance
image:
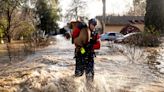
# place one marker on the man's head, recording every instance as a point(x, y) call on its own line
point(92, 23)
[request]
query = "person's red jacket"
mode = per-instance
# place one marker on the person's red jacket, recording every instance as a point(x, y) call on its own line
point(76, 32)
point(97, 44)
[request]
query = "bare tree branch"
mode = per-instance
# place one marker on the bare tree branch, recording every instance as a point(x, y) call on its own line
point(76, 7)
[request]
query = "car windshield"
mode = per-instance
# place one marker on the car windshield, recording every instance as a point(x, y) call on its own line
point(112, 34)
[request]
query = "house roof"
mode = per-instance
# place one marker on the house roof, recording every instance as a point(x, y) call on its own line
point(122, 20)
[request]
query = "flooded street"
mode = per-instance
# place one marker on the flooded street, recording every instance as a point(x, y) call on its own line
point(52, 70)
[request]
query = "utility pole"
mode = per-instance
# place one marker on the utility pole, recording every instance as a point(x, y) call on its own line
point(104, 14)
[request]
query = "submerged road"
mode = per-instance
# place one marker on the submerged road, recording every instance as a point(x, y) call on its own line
point(52, 68)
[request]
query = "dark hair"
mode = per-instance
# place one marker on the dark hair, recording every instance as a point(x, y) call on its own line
point(93, 21)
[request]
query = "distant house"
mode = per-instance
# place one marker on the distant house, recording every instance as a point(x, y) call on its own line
point(117, 23)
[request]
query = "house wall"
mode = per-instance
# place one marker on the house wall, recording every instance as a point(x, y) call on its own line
point(113, 28)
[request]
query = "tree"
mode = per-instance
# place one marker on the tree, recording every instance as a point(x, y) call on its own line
point(76, 7)
point(138, 8)
point(8, 10)
point(47, 13)
point(154, 14)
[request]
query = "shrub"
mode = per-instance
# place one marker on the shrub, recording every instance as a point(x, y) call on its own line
point(150, 37)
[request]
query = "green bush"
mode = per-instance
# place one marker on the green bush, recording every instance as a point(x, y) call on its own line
point(150, 37)
point(150, 40)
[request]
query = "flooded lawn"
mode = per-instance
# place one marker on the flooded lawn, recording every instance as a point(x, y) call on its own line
point(52, 70)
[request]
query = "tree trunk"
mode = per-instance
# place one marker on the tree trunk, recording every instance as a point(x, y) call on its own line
point(76, 14)
point(155, 14)
point(8, 39)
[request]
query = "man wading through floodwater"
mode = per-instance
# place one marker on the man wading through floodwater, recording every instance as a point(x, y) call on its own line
point(86, 40)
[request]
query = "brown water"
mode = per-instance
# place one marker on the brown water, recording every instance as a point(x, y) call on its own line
point(52, 69)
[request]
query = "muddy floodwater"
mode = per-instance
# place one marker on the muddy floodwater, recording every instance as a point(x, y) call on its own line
point(52, 70)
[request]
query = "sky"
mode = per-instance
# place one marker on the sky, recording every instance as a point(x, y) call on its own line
point(94, 7)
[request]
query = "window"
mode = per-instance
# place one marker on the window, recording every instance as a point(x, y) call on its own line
point(111, 34)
